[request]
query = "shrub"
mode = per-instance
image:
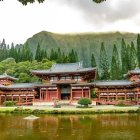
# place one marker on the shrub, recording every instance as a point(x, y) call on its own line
point(9, 103)
point(84, 102)
point(120, 103)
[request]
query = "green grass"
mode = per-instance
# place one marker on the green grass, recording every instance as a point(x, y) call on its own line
point(94, 110)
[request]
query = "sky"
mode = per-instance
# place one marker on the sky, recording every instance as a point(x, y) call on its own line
point(18, 22)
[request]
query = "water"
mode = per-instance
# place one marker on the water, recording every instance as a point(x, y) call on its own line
point(71, 127)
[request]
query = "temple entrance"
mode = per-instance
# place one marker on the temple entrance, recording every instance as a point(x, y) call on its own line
point(65, 92)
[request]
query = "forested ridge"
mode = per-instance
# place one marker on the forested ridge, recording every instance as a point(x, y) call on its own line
point(112, 53)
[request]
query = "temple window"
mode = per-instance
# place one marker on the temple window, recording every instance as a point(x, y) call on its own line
point(77, 78)
point(53, 78)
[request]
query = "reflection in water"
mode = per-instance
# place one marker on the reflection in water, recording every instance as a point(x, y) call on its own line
point(71, 127)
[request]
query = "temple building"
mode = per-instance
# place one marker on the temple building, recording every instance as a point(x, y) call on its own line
point(128, 91)
point(68, 81)
point(22, 93)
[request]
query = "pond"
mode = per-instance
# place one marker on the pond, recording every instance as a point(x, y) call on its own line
point(71, 127)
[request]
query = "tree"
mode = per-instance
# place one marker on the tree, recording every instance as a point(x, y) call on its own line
point(124, 57)
point(38, 53)
point(93, 61)
point(84, 101)
point(133, 56)
point(115, 65)
point(138, 49)
point(25, 2)
point(104, 64)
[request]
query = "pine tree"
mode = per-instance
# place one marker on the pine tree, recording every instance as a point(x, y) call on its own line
point(128, 59)
point(38, 53)
point(124, 57)
point(115, 65)
point(133, 57)
point(52, 55)
point(104, 64)
point(138, 49)
point(93, 61)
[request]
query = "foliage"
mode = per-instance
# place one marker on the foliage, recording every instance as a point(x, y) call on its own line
point(93, 93)
point(84, 101)
point(22, 70)
point(9, 103)
point(104, 64)
point(115, 65)
point(25, 2)
point(93, 61)
point(138, 49)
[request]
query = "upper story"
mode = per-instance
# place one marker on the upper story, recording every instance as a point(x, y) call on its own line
point(67, 73)
point(134, 75)
point(6, 79)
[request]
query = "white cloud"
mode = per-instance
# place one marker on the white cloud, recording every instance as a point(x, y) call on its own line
point(18, 22)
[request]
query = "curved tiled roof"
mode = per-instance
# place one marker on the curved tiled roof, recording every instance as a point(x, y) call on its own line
point(5, 76)
point(113, 83)
point(64, 68)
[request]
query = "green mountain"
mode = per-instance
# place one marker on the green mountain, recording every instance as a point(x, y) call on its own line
point(85, 44)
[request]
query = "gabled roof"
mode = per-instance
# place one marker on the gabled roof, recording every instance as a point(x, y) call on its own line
point(5, 76)
point(135, 71)
point(111, 83)
point(18, 86)
point(64, 68)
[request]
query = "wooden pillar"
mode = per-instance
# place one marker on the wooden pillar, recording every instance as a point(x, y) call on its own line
point(47, 94)
point(12, 97)
point(116, 96)
point(19, 98)
point(125, 95)
point(82, 92)
point(26, 98)
point(107, 95)
point(57, 93)
point(71, 94)
point(99, 98)
point(89, 93)
point(40, 95)
point(0, 100)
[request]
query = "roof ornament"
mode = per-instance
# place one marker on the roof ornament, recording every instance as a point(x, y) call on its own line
point(5, 74)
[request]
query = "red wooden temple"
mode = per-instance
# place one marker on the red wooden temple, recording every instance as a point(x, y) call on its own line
point(112, 92)
point(65, 82)
point(22, 93)
point(70, 81)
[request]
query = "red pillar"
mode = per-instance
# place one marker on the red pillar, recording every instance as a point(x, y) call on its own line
point(71, 94)
point(0, 99)
point(125, 97)
point(82, 92)
point(19, 98)
point(46, 94)
point(12, 97)
point(57, 93)
point(26, 98)
point(89, 93)
point(40, 94)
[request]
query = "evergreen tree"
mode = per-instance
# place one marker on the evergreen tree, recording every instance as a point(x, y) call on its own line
point(133, 57)
point(38, 53)
point(52, 55)
point(138, 49)
point(73, 57)
point(93, 61)
point(124, 57)
point(128, 59)
point(115, 65)
point(59, 56)
point(104, 64)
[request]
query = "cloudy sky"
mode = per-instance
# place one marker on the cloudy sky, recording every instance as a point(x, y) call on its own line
point(18, 22)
